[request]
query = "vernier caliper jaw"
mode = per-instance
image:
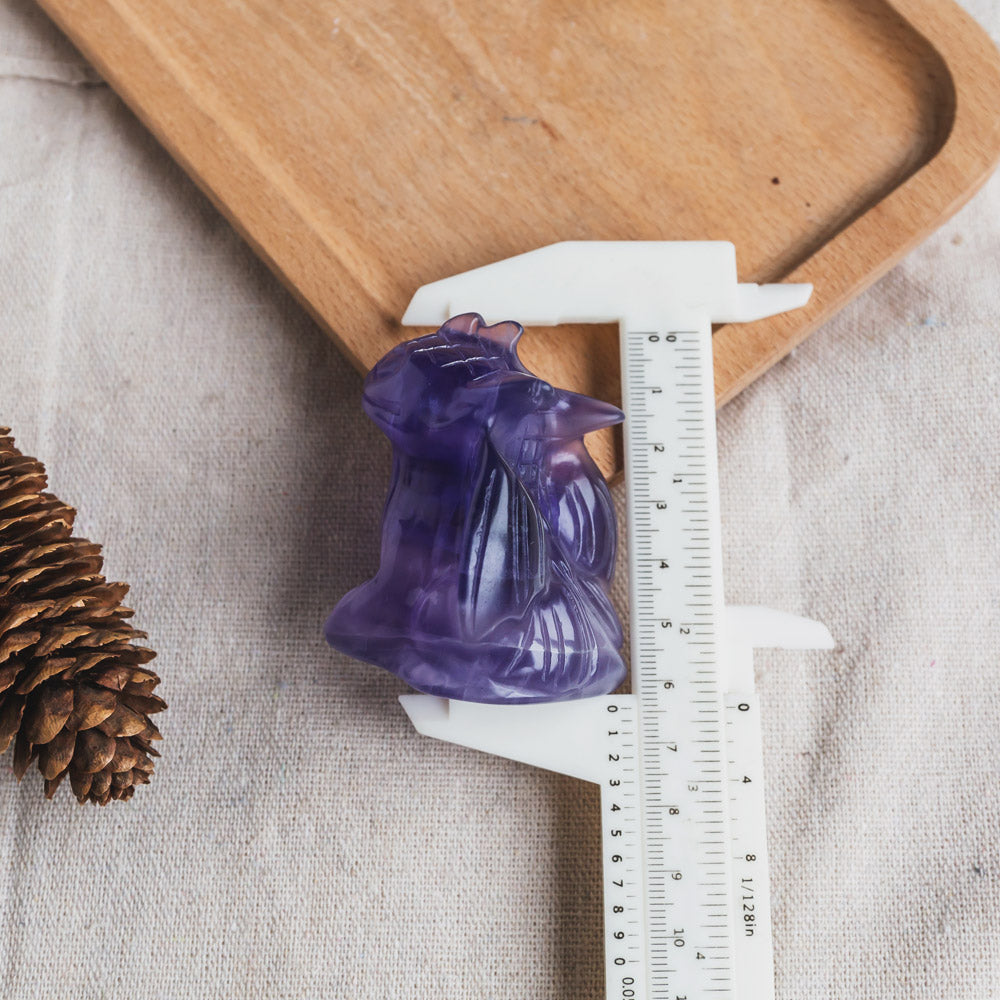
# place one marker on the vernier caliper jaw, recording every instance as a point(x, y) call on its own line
point(748, 628)
point(607, 282)
point(558, 736)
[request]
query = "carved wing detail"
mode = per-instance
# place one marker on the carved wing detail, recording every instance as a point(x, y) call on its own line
point(504, 560)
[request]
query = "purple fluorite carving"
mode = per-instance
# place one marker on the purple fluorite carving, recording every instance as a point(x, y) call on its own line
point(498, 536)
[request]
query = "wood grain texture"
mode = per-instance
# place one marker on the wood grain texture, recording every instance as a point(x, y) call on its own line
point(364, 151)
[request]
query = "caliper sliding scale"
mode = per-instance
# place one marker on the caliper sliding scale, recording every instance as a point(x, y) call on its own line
point(679, 762)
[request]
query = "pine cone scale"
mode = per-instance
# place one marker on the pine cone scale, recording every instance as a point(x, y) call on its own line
point(126, 756)
point(116, 677)
point(47, 713)
point(123, 722)
point(101, 784)
point(15, 642)
point(59, 637)
point(91, 707)
point(23, 756)
point(94, 750)
point(51, 784)
point(145, 704)
point(40, 555)
point(10, 720)
point(23, 614)
point(8, 674)
point(80, 783)
point(54, 758)
point(15, 485)
point(42, 672)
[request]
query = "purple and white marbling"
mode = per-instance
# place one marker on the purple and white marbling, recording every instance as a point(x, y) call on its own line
point(498, 536)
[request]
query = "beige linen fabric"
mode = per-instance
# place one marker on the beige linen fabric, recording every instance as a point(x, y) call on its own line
point(299, 840)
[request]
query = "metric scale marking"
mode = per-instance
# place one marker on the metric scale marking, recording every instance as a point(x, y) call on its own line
point(679, 760)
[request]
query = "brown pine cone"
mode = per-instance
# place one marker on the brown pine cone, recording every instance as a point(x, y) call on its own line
point(74, 691)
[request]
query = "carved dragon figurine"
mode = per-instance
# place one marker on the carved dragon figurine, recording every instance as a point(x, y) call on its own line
point(498, 536)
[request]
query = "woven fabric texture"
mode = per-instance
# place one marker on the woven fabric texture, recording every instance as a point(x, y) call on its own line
point(298, 839)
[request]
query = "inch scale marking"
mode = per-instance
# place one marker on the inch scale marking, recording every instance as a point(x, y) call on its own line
point(678, 761)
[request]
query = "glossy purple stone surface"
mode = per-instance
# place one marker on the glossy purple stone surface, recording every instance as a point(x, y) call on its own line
point(498, 536)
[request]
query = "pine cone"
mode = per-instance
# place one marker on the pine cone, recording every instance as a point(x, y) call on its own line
point(74, 690)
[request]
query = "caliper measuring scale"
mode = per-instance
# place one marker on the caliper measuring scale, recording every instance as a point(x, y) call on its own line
point(679, 760)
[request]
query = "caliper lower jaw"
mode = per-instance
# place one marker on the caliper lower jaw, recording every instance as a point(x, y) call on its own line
point(559, 736)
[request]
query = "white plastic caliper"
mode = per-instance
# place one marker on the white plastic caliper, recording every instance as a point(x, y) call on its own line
point(679, 762)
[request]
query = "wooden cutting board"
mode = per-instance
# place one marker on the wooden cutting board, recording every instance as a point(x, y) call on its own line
point(366, 149)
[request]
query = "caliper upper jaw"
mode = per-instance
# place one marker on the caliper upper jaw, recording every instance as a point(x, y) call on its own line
point(750, 627)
